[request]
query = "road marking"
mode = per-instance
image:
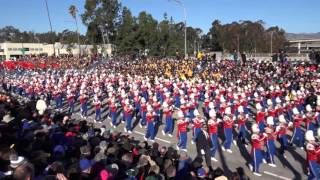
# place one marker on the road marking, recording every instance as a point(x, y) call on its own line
point(137, 132)
point(275, 175)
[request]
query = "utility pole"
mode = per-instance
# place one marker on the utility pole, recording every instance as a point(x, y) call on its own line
point(54, 49)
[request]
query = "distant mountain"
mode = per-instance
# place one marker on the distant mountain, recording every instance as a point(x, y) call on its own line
point(294, 36)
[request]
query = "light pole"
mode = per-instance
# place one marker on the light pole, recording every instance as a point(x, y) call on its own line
point(54, 49)
point(179, 2)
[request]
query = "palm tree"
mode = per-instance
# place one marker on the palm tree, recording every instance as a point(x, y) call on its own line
point(73, 12)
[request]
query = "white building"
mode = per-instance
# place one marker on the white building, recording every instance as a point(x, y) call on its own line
point(10, 50)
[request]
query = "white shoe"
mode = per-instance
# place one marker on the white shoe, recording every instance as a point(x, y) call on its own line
point(257, 174)
point(95, 121)
point(185, 150)
point(302, 148)
point(129, 132)
point(122, 122)
point(272, 165)
point(246, 146)
point(229, 151)
point(250, 167)
point(145, 138)
point(223, 149)
point(140, 125)
point(264, 161)
point(214, 159)
point(152, 140)
point(177, 147)
point(170, 135)
point(163, 133)
point(114, 126)
point(125, 129)
point(192, 142)
point(234, 142)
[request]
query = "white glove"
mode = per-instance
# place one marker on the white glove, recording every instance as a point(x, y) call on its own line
point(202, 152)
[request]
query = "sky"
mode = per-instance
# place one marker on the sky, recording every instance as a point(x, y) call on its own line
point(295, 16)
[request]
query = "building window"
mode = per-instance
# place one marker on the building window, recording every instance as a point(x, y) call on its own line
point(15, 49)
point(31, 49)
point(36, 49)
point(9, 49)
point(40, 49)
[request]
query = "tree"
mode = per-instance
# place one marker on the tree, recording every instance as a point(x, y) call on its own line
point(73, 12)
point(105, 13)
point(126, 32)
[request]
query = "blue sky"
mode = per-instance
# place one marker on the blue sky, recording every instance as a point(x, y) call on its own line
point(293, 15)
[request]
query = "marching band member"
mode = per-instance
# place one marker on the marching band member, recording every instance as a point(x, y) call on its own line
point(242, 119)
point(150, 132)
point(83, 102)
point(270, 141)
point(256, 151)
point(281, 131)
point(297, 133)
point(228, 128)
point(260, 117)
point(70, 99)
point(213, 132)
point(57, 97)
point(113, 112)
point(97, 106)
point(168, 111)
point(143, 112)
point(182, 125)
point(197, 122)
point(313, 152)
point(128, 114)
point(310, 119)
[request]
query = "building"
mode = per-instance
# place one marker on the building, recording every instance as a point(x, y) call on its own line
point(10, 50)
point(305, 45)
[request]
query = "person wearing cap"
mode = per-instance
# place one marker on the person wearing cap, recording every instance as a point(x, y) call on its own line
point(150, 132)
point(242, 119)
point(270, 141)
point(182, 125)
point(297, 136)
point(85, 167)
point(97, 107)
point(281, 131)
point(257, 141)
point(168, 111)
point(213, 132)
point(313, 152)
point(228, 128)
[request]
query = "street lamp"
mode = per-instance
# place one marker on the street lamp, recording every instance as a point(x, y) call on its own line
point(185, 25)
